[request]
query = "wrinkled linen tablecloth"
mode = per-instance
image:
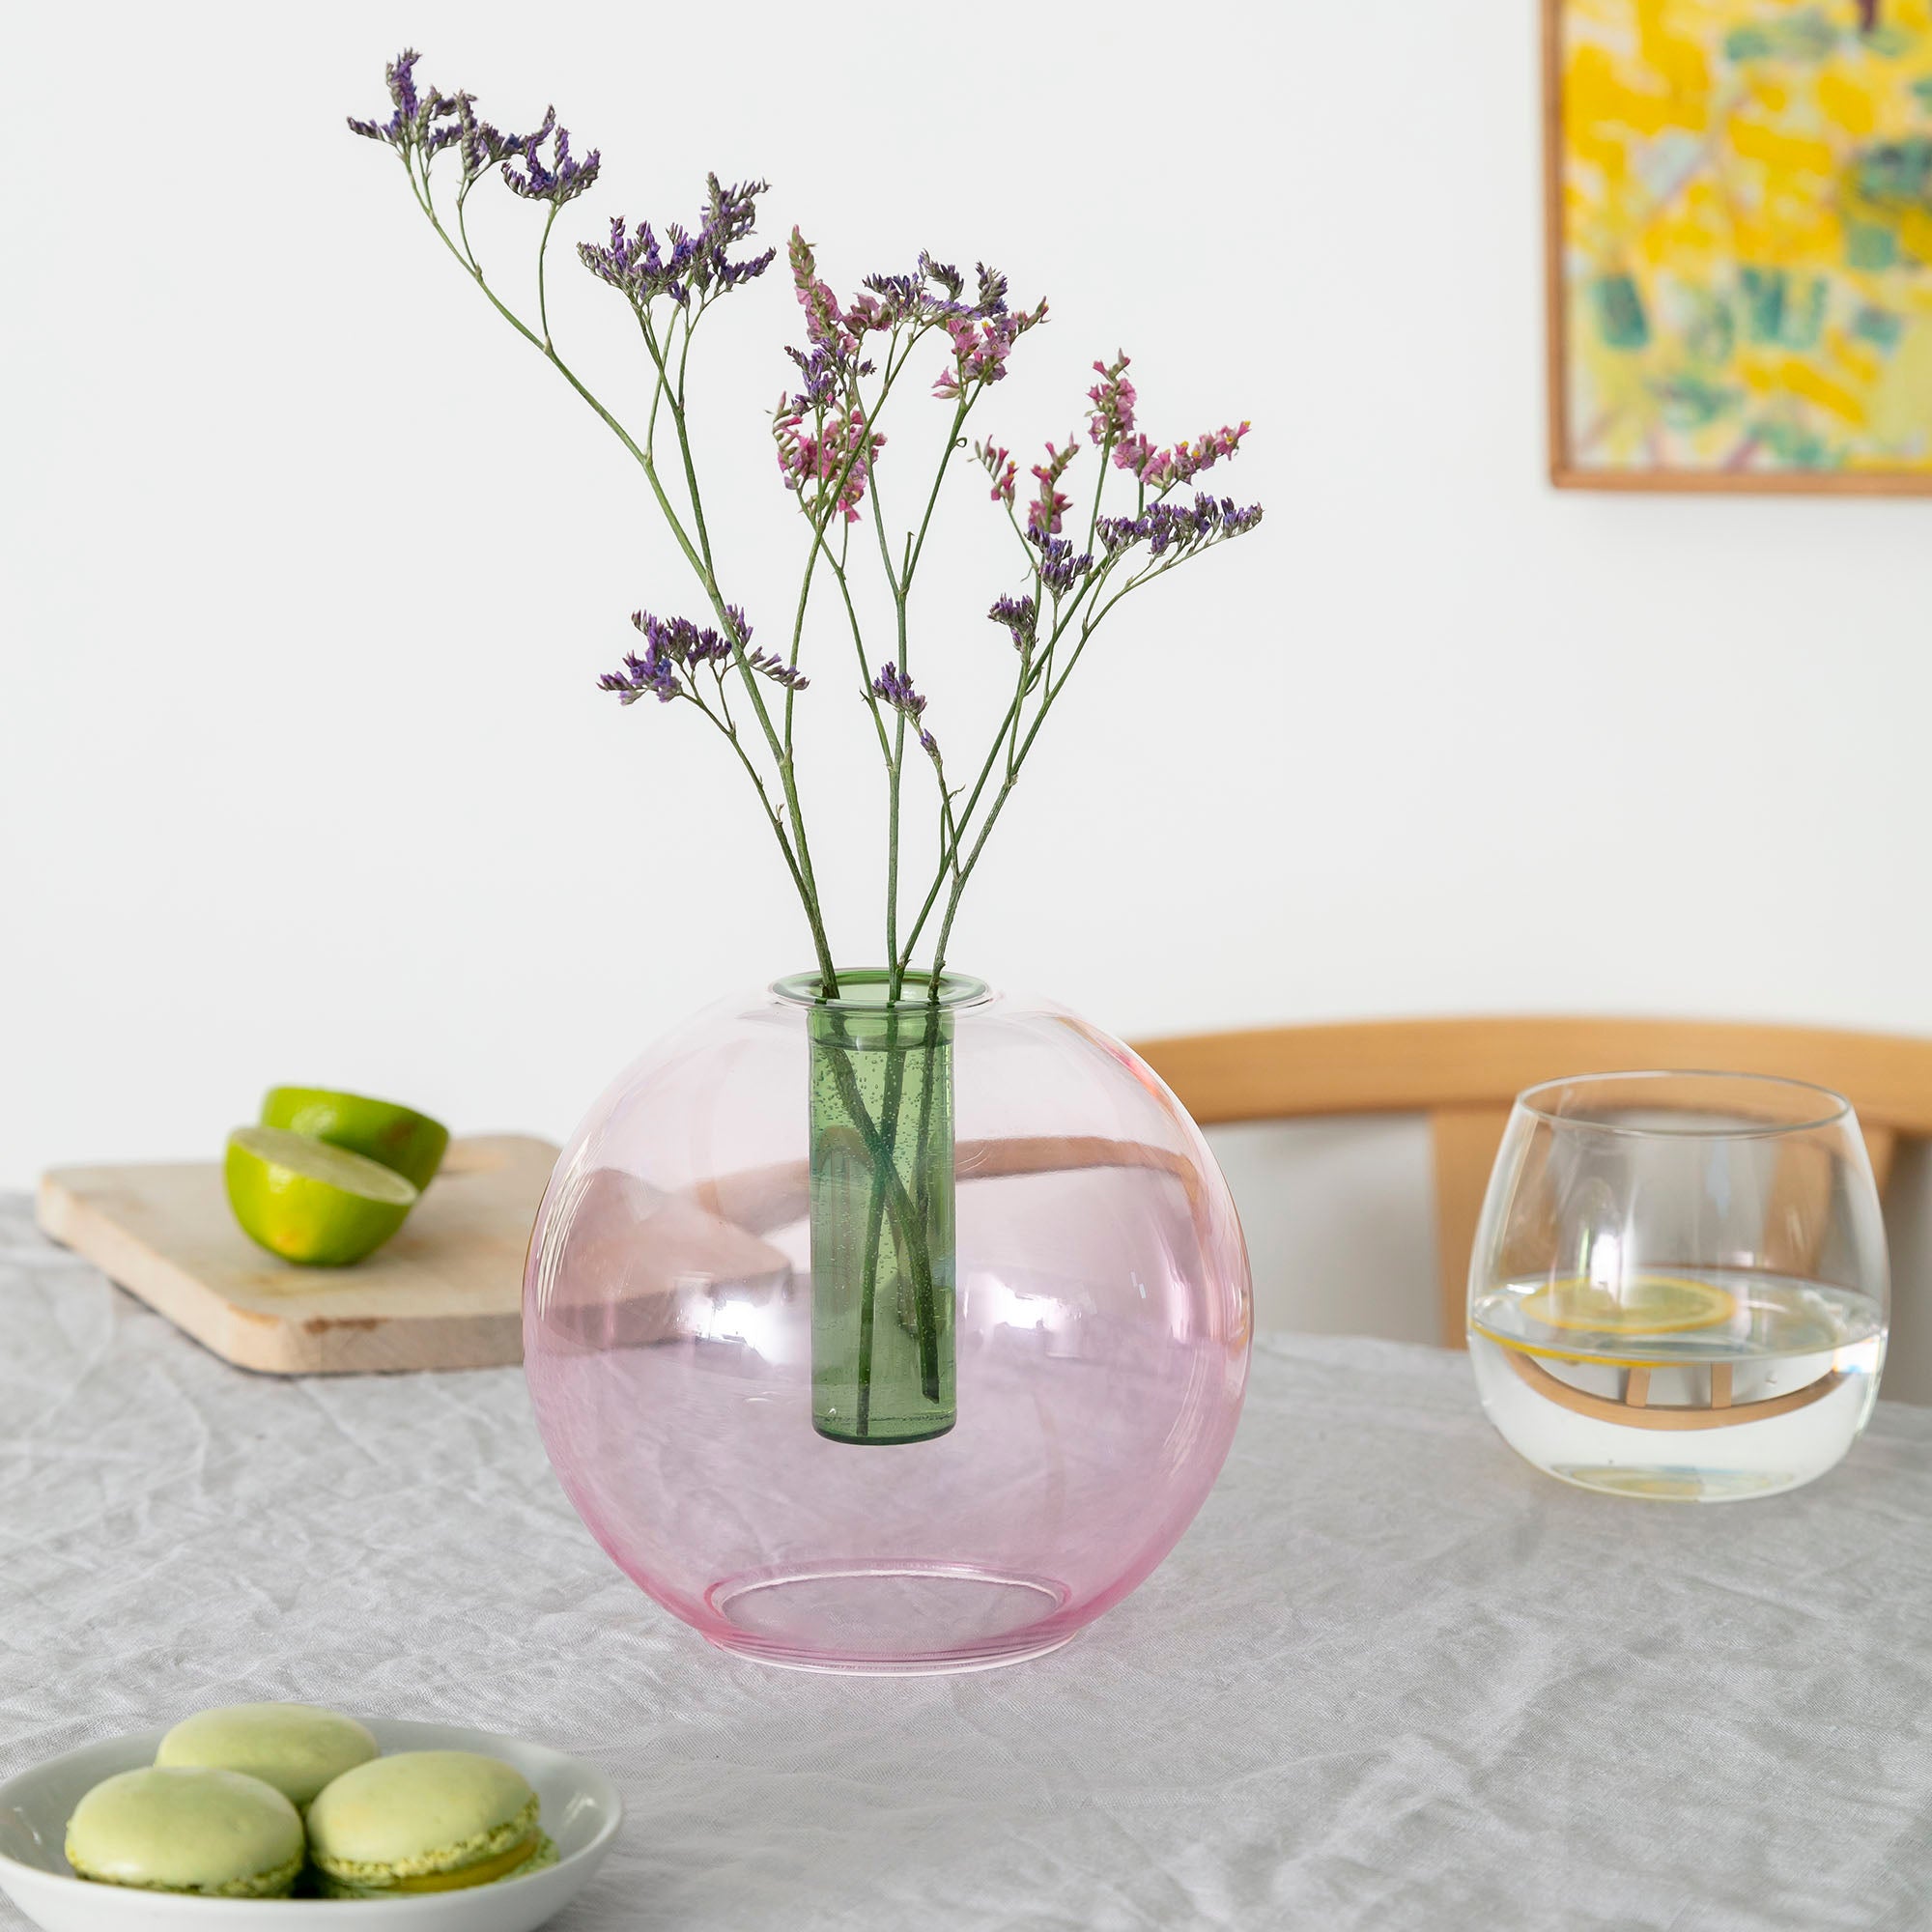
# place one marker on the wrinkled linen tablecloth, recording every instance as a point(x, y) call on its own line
point(1392, 1677)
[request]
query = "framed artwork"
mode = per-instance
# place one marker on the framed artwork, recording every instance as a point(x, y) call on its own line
point(1739, 211)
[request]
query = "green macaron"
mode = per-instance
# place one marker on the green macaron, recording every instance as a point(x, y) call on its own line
point(187, 1827)
point(297, 1748)
point(425, 1820)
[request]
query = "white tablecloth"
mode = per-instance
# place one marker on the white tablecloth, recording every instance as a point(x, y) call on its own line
point(1391, 1678)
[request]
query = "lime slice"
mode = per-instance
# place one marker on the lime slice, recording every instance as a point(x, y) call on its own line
point(1639, 1304)
point(399, 1137)
point(309, 1202)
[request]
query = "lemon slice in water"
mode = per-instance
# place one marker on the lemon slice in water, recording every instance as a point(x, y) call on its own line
point(1641, 1304)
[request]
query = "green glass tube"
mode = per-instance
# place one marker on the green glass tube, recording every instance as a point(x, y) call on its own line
point(884, 1272)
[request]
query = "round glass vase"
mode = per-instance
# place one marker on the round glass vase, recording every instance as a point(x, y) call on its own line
point(887, 1335)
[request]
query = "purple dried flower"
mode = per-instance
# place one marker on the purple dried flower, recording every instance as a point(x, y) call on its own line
point(673, 646)
point(563, 180)
point(651, 673)
point(1060, 570)
point(895, 687)
point(1186, 526)
point(944, 273)
point(695, 264)
point(412, 114)
point(775, 668)
point(680, 640)
point(934, 293)
point(1019, 617)
point(482, 146)
point(826, 377)
point(629, 263)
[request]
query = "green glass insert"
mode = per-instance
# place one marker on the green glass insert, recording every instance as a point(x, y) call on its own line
point(884, 1273)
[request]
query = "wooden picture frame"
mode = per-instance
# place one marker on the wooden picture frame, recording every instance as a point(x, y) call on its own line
point(1746, 476)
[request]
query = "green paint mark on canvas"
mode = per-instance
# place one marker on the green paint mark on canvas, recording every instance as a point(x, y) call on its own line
point(1710, 330)
point(1791, 443)
point(1776, 312)
point(1689, 402)
point(1897, 175)
point(1870, 246)
point(1762, 292)
point(1805, 37)
point(1620, 318)
point(1879, 327)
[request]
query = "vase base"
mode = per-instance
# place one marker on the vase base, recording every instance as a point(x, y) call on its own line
point(832, 1431)
point(877, 1619)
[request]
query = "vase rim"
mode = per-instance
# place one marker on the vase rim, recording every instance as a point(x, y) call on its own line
point(862, 989)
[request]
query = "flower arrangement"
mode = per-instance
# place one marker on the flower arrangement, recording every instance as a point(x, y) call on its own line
point(882, 1167)
point(856, 357)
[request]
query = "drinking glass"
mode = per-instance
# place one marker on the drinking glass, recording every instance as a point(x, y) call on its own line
point(1679, 1285)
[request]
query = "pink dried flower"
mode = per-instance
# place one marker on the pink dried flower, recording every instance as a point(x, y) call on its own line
point(1113, 398)
point(980, 349)
point(1044, 512)
point(823, 322)
point(1001, 468)
point(816, 460)
point(1160, 470)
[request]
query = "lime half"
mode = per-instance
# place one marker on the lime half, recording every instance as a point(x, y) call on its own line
point(311, 1202)
point(1639, 1304)
point(399, 1137)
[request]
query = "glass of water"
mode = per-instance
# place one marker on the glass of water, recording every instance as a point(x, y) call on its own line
point(1679, 1287)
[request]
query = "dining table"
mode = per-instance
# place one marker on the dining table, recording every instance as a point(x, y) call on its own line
point(1391, 1676)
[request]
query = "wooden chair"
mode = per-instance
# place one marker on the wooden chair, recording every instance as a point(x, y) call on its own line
point(1463, 1074)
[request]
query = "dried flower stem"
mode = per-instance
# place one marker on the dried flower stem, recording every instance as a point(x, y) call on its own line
point(828, 440)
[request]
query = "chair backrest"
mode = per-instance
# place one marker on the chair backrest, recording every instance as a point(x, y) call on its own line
point(1463, 1074)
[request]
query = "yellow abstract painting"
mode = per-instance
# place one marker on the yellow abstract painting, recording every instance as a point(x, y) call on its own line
point(1741, 243)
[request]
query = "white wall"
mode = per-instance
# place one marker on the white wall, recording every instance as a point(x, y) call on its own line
point(310, 568)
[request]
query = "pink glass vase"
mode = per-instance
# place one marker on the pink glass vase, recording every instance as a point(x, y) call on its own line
point(993, 1408)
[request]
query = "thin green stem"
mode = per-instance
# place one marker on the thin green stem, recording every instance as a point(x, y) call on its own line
point(798, 852)
point(1029, 679)
point(543, 293)
point(953, 443)
point(680, 423)
point(730, 732)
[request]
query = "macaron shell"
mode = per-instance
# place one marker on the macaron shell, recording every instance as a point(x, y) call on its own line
point(419, 1812)
point(187, 1827)
point(299, 1748)
point(541, 1859)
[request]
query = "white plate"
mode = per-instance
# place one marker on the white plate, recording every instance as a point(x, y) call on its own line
point(581, 1811)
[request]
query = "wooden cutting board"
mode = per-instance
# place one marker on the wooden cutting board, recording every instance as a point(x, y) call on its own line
point(447, 1292)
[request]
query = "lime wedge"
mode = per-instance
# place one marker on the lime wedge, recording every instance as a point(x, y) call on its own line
point(399, 1137)
point(311, 1202)
point(1639, 1304)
